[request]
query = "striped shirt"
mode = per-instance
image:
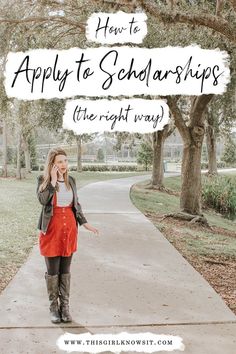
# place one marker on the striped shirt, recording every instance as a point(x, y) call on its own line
point(64, 196)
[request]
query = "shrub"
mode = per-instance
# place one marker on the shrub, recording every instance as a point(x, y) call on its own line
point(229, 155)
point(37, 168)
point(104, 168)
point(100, 155)
point(73, 168)
point(11, 171)
point(220, 164)
point(145, 155)
point(204, 165)
point(220, 193)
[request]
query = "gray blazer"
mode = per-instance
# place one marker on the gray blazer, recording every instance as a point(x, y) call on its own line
point(45, 198)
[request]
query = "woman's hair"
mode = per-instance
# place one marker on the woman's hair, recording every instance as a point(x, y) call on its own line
point(48, 167)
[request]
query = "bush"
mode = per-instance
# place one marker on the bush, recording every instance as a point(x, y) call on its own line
point(145, 155)
point(204, 165)
point(220, 164)
point(220, 193)
point(37, 168)
point(108, 168)
point(229, 155)
point(100, 155)
point(11, 171)
point(73, 168)
point(11, 155)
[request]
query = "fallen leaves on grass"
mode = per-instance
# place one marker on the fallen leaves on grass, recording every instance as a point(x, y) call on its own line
point(6, 275)
point(219, 270)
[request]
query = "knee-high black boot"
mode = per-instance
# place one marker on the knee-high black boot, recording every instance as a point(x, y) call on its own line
point(53, 294)
point(64, 294)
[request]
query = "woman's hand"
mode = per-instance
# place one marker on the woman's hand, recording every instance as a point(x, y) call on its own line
point(54, 172)
point(91, 228)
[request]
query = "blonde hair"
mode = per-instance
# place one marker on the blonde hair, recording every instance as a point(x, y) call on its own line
point(48, 167)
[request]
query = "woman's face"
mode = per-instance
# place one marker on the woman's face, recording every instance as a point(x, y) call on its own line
point(62, 163)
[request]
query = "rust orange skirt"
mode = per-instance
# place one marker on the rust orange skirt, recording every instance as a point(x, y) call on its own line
point(61, 236)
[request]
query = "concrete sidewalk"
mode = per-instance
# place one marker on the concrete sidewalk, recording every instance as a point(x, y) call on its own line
point(130, 278)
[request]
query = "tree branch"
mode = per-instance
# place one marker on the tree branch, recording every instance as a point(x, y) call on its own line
point(178, 118)
point(219, 7)
point(171, 130)
point(44, 19)
point(131, 4)
point(197, 109)
point(233, 3)
point(218, 24)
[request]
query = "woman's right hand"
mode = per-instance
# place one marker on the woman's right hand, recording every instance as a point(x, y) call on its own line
point(54, 175)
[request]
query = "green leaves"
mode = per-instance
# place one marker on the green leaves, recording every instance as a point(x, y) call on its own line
point(220, 193)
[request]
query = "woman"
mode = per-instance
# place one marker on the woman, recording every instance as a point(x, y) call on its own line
point(58, 225)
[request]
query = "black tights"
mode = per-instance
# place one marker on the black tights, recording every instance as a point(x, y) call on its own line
point(56, 265)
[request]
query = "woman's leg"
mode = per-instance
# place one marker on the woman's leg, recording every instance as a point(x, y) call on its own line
point(64, 287)
point(65, 263)
point(52, 282)
point(53, 265)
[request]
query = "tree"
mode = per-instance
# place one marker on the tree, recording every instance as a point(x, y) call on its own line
point(192, 133)
point(4, 109)
point(80, 139)
point(220, 117)
point(178, 24)
point(214, 17)
point(229, 155)
point(159, 138)
point(145, 155)
point(100, 155)
point(33, 26)
point(192, 129)
point(211, 142)
point(192, 17)
point(4, 134)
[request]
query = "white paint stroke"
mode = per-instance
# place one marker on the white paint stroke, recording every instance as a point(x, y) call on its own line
point(131, 115)
point(97, 72)
point(119, 27)
point(121, 342)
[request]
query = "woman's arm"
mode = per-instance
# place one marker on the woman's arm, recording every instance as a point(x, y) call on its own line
point(79, 213)
point(80, 216)
point(45, 196)
point(82, 220)
point(91, 228)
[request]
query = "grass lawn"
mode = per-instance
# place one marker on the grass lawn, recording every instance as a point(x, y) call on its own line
point(212, 251)
point(19, 215)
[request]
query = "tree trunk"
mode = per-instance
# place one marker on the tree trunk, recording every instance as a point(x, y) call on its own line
point(192, 135)
point(190, 198)
point(18, 162)
point(4, 133)
point(211, 145)
point(79, 153)
point(159, 138)
point(25, 146)
point(157, 169)
point(211, 150)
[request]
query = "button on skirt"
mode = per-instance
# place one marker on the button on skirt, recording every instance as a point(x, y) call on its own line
point(61, 236)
